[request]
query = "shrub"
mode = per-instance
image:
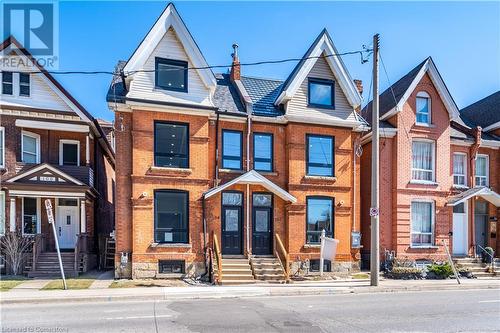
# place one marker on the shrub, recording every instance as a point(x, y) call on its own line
point(488, 255)
point(405, 273)
point(439, 271)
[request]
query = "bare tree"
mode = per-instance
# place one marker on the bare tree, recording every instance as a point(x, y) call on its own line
point(14, 247)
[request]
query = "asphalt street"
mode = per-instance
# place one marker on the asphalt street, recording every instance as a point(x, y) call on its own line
point(428, 311)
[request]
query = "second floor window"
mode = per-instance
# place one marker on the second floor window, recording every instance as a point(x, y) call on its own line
point(321, 93)
point(2, 147)
point(232, 151)
point(263, 152)
point(482, 170)
point(30, 146)
point(171, 145)
point(69, 152)
point(7, 83)
point(319, 152)
point(171, 74)
point(423, 161)
point(423, 105)
point(459, 169)
point(24, 84)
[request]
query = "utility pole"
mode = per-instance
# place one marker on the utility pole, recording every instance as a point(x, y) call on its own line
point(374, 210)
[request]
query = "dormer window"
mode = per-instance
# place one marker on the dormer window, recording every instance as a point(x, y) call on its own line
point(423, 106)
point(24, 84)
point(7, 83)
point(321, 93)
point(171, 74)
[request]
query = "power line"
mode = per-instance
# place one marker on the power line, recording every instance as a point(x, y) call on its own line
point(257, 63)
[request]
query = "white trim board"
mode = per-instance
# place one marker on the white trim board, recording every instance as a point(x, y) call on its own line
point(40, 167)
point(56, 126)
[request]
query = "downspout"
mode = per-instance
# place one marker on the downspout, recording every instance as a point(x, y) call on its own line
point(216, 181)
point(473, 155)
point(249, 129)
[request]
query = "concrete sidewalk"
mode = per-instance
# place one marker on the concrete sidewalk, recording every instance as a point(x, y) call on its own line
point(197, 292)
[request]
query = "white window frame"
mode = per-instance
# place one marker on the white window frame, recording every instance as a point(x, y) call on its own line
point(433, 222)
point(465, 170)
point(38, 216)
point(72, 142)
point(420, 181)
point(423, 94)
point(487, 177)
point(2, 135)
point(37, 138)
point(2, 212)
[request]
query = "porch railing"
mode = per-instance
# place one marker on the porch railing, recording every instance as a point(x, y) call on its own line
point(218, 258)
point(80, 247)
point(37, 249)
point(283, 257)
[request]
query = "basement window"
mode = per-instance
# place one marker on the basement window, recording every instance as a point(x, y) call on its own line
point(171, 267)
point(314, 265)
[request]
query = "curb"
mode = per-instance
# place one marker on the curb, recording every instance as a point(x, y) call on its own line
point(165, 294)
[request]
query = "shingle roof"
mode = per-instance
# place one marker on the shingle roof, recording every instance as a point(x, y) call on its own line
point(484, 112)
point(263, 93)
point(387, 101)
point(116, 92)
point(226, 97)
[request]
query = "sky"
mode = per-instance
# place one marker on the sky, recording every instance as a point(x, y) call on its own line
point(463, 38)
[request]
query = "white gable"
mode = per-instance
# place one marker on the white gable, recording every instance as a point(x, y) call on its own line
point(142, 85)
point(323, 45)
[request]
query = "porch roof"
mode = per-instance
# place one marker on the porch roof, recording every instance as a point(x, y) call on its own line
point(480, 191)
point(254, 178)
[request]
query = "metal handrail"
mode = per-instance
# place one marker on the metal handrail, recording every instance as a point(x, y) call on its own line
point(77, 253)
point(37, 249)
point(492, 256)
point(286, 257)
point(218, 257)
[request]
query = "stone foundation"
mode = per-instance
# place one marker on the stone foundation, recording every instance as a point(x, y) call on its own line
point(149, 270)
point(339, 268)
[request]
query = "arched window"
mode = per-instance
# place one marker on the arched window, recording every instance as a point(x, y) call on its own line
point(423, 107)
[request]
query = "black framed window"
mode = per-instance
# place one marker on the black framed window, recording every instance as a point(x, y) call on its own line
point(320, 156)
point(171, 145)
point(232, 149)
point(321, 93)
point(263, 151)
point(171, 74)
point(24, 84)
point(171, 266)
point(7, 85)
point(69, 153)
point(319, 217)
point(314, 265)
point(171, 217)
point(30, 215)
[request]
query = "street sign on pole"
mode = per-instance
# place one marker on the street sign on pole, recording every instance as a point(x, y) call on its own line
point(50, 217)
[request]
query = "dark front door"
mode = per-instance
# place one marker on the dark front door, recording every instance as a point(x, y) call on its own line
point(232, 226)
point(480, 224)
point(262, 237)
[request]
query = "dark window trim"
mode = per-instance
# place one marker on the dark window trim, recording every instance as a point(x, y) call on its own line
point(11, 83)
point(242, 215)
point(155, 214)
point(322, 197)
point(233, 191)
point(326, 263)
point(309, 135)
point(166, 154)
point(180, 262)
point(24, 84)
point(272, 151)
point(232, 157)
point(166, 61)
point(331, 83)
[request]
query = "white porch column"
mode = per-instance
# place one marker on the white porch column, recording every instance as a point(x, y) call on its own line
point(12, 215)
point(83, 217)
point(87, 149)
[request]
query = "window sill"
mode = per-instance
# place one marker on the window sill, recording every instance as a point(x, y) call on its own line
point(460, 187)
point(231, 171)
point(425, 125)
point(167, 170)
point(170, 245)
point(312, 246)
point(267, 173)
point(330, 179)
point(423, 247)
point(423, 182)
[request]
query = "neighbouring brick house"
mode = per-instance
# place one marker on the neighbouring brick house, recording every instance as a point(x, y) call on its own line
point(241, 160)
point(435, 172)
point(51, 148)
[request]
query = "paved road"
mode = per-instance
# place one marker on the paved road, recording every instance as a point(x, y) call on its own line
point(441, 311)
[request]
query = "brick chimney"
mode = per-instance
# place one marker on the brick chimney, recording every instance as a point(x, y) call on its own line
point(359, 85)
point(235, 66)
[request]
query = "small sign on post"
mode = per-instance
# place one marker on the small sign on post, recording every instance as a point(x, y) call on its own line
point(374, 211)
point(50, 217)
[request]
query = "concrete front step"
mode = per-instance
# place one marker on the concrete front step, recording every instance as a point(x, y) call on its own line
point(236, 271)
point(231, 277)
point(236, 282)
point(269, 277)
point(45, 274)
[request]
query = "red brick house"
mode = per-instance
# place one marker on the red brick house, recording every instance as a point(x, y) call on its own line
point(256, 166)
point(51, 148)
point(435, 172)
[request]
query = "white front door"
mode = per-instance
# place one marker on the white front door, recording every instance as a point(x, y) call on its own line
point(460, 230)
point(67, 223)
